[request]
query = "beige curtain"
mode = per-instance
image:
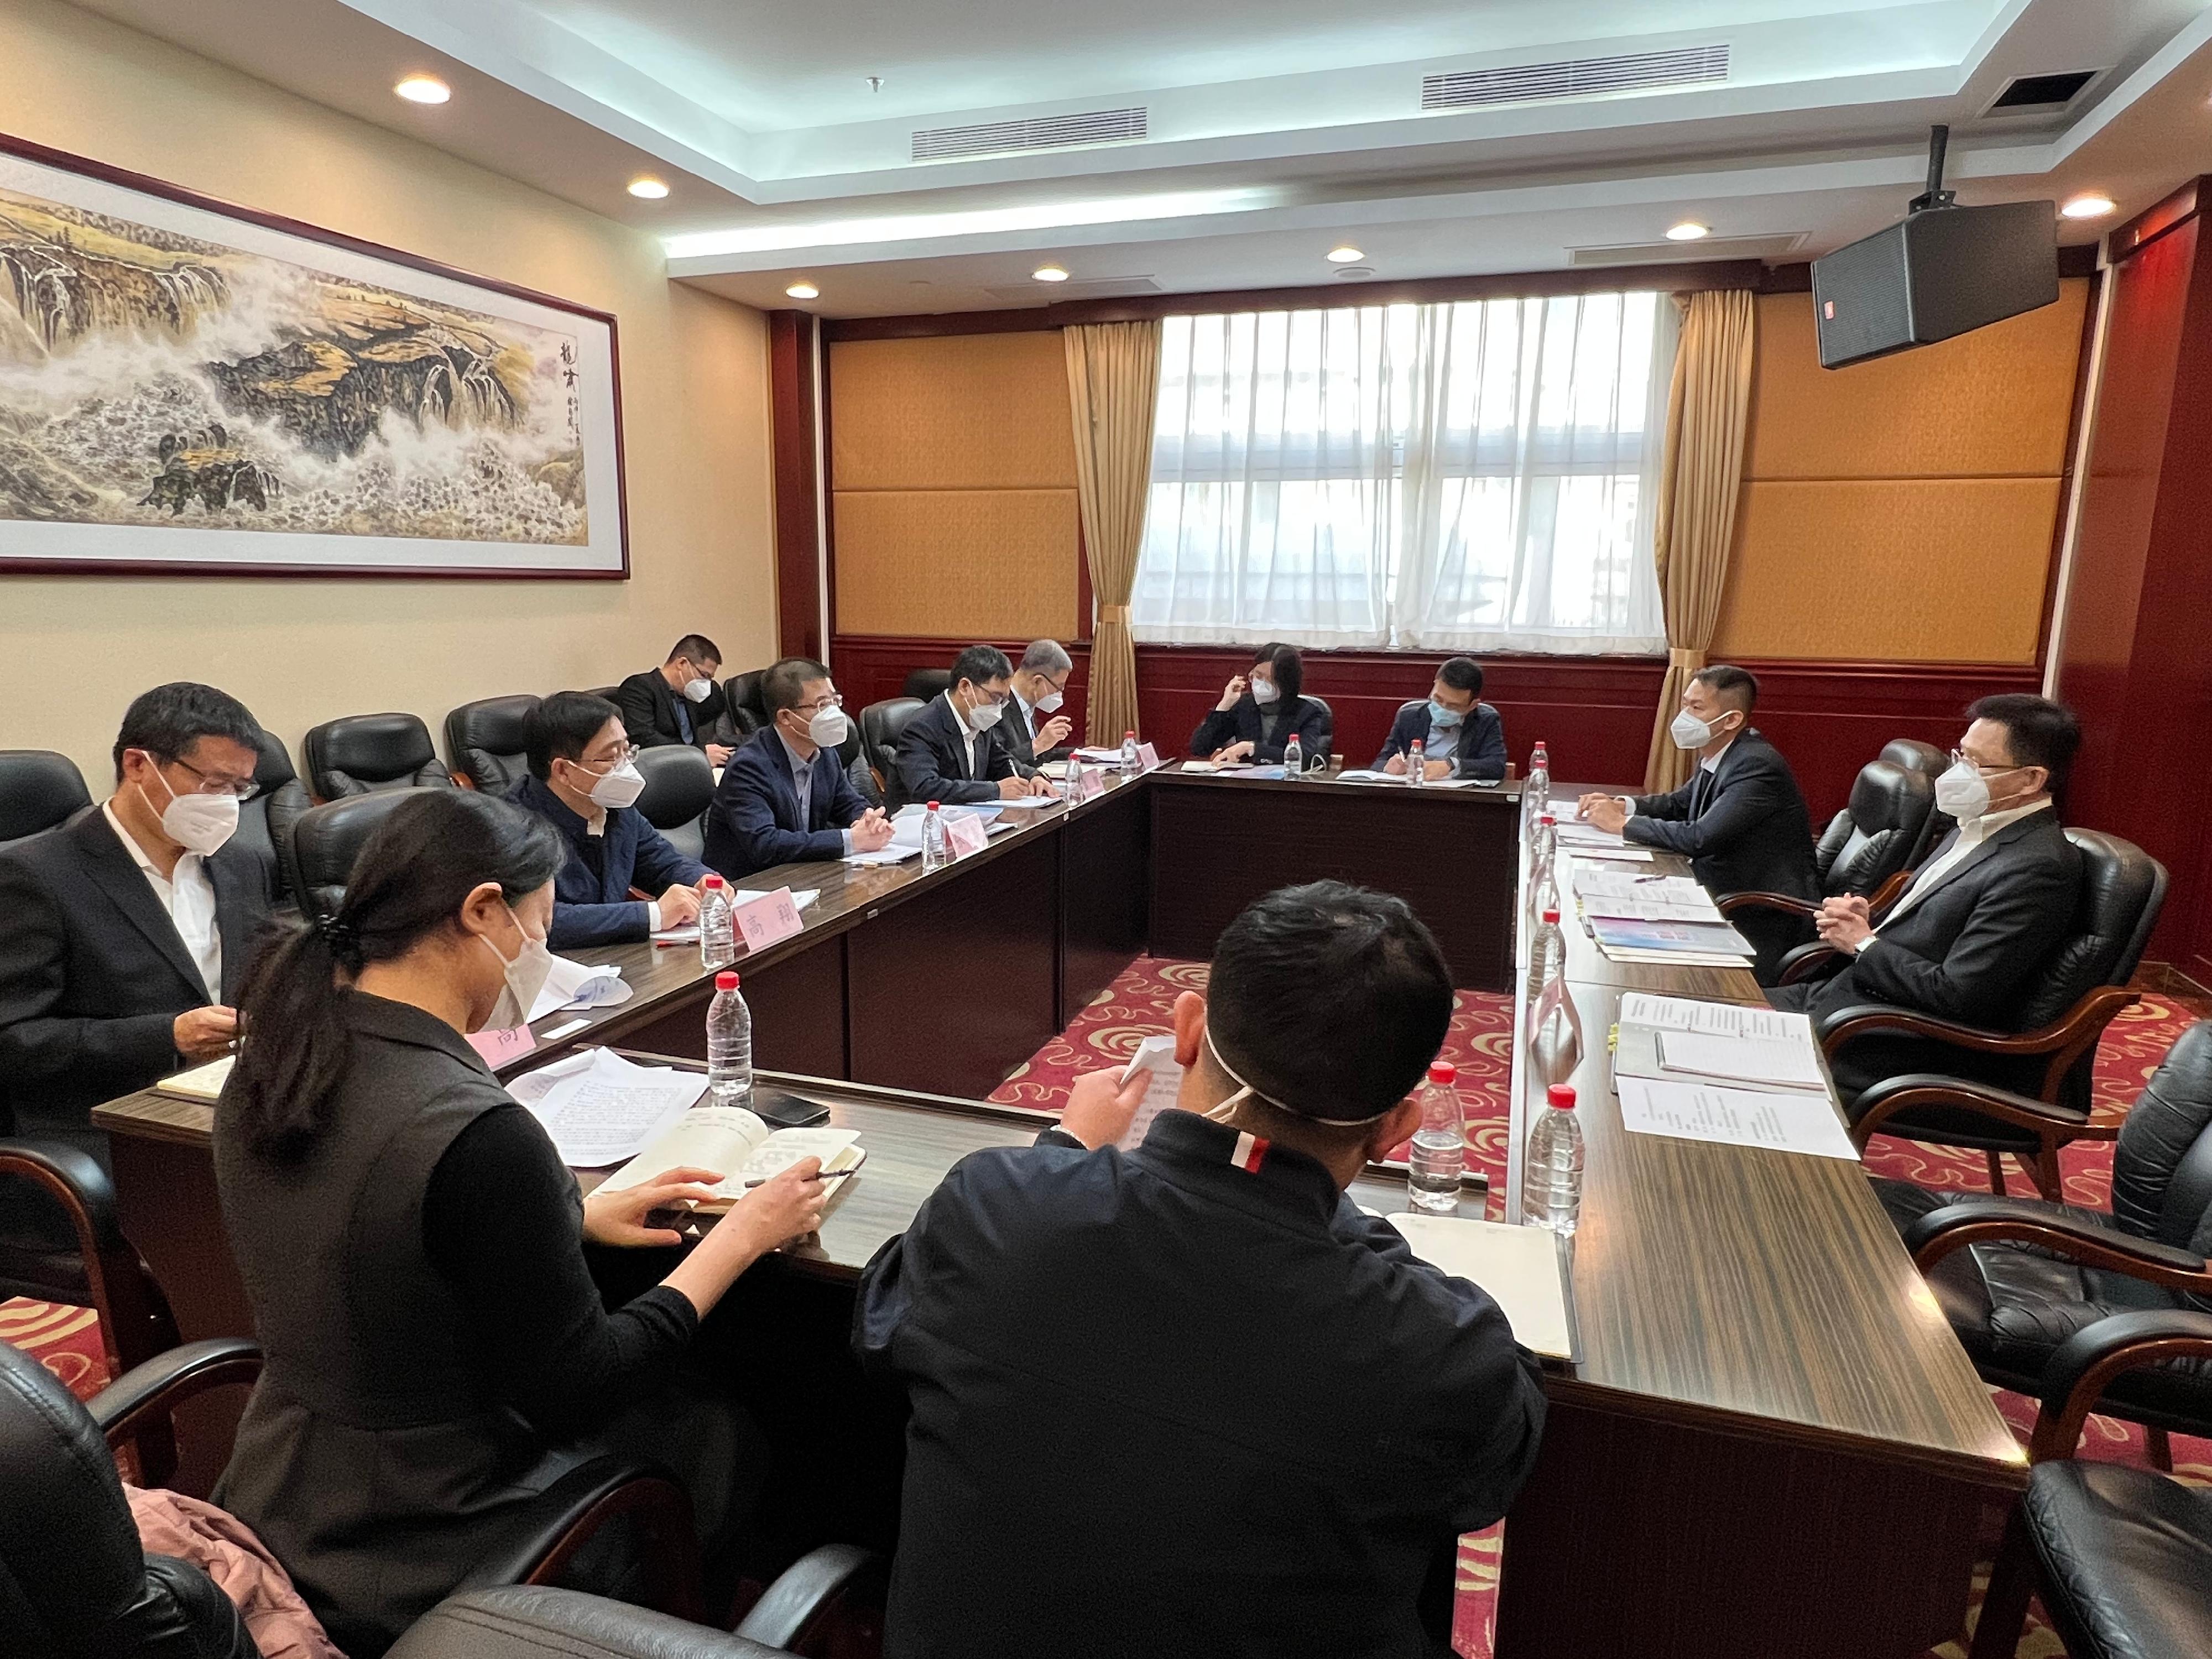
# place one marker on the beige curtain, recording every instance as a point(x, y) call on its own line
point(1113, 392)
point(1708, 407)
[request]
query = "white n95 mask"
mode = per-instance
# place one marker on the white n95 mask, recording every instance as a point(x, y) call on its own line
point(1689, 732)
point(1962, 793)
point(525, 977)
point(1265, 691)
point(698, 690)
point(826, 729)
point(984, 716)
point(618, 788)
point(1050, 700)
point(199, 823)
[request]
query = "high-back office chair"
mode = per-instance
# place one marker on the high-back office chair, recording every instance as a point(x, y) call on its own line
point(2121, 1556)
point(742, 692)
point(265, 820)
point(679, 787)
point(484, 742)
point(327, 840)
point(923, 683)
point(1864, 848)
point(2021, 1279)
point(882, 724)
point(605, 693)
point(2024, 1091)
point(1931, 763)
point(362, 754)
point(38, 790)
point(60, 1241)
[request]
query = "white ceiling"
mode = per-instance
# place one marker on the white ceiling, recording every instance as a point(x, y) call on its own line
point(1278, 127)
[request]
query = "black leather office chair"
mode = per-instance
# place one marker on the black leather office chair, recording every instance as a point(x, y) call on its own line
point(1864, 848)
point(60, 1241)
point(327, 840)
point(1328, 731)
point(2020, 1278)
point(882, 724)
point(2024, 1090)
point(1931, 763)
point(606, 693)
point(2121, 1556)
point(679, 786)
point(39, 789)
point(923, 683)
point(484, 742)
point(742, 692)
point(266, 821)
point(363, 754)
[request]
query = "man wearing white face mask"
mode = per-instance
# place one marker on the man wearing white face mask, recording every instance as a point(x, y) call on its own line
point(128, 929)
point(784, 797)
point(584, 780)
point(1740, 820)
point(679, 700)
point(1033, 729)
point(950, 751)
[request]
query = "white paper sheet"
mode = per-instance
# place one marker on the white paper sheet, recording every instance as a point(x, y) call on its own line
point(1802, 1123)
point(574, 985)
point(1720, 1018)
point(1519, 1267)
point(1580, 854)
point(601, 1111)
point(1155, 1055)
point(1759, 1062)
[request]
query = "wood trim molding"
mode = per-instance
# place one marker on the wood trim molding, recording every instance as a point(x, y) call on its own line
point(801, 630)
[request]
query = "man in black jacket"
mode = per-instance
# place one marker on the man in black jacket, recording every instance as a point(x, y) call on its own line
point(1460, 736)
point(950, 752)
point(1033, 729)
point(1740, 820)
point(1982, 915)
point(1189, 1400)
point(678, 702)
point(130, 928)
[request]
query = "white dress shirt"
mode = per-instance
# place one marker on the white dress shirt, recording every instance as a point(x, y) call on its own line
point(1970, 835)
point(1711, 764)
point(187, 895)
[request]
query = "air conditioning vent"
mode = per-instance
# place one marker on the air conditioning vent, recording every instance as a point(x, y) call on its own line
point(1098, 126)
point(1713, 247)
point(2040, 95)
point(1095, 287)
point(1576, 77)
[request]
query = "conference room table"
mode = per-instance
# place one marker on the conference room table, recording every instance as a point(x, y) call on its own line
point(1769, 1442)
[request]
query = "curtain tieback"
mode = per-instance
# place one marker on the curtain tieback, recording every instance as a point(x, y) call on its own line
point(1688, 661)
point(1114, 613)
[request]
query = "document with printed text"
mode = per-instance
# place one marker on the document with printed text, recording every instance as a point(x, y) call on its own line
point(1802, 1123)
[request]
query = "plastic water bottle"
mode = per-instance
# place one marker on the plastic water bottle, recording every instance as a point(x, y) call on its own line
point(1547, 953)
point(1132, 763)
point(1294, 758)
point(1552, 1178)
point(1548, 886)
point(729, 1045)
point(1417, 763)
point(1537, 788)
point(933, 855)
point(1439, 1154)
point(718, 927)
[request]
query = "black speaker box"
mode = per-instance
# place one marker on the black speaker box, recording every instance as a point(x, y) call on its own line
point(1941, 272)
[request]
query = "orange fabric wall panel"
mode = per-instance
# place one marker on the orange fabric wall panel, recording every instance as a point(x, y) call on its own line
point(968, 564)
point(1906, 570)
point(975, 411)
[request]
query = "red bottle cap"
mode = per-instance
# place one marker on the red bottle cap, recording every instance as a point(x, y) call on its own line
point(1550, 819)
point(932, 806)
point(726, 981)
point(1551, 915)
point(1443, 1071)
point(711, 881)
point(1561, 1095)
point(1129, 734)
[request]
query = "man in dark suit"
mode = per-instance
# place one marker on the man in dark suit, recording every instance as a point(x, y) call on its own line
point(583, 780)
point(129, 929)
point(1032, 729)
point(784, 797)
point(950, 752)
point(678, 702)
point(1460, 736)
point(1986, 909)
point(1740, 820)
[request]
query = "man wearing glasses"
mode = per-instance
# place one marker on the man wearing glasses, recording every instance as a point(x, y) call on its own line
point(130, 928)
point(950, 751)
point(1033, 729)
point(784, 797)
point(584, 780)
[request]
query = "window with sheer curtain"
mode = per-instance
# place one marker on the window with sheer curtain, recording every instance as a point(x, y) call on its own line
point(1479, 475)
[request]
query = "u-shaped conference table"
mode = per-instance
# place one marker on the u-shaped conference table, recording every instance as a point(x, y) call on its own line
point(1769, 1442)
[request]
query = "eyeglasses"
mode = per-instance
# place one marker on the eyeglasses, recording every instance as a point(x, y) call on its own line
point(833, 701)
point(1961, 758)
point(621, 757)
point(237, 789)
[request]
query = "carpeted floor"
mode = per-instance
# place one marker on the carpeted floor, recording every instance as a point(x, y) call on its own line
point(1138, 1005)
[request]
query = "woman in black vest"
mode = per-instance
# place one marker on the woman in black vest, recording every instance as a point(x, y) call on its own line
point(413, 1248)
point(1260, 710)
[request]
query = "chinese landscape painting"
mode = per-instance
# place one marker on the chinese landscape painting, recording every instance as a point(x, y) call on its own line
point(186, 387)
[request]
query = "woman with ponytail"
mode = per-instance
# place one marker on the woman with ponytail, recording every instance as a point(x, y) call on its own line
point(437, 1352)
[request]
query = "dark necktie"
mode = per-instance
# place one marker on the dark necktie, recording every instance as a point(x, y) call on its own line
point(682, 718)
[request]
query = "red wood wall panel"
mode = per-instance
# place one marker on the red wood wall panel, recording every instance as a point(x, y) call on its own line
point(791, 344)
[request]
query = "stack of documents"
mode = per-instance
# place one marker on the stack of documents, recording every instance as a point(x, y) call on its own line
point(1353, 775)
point(1711, 1070)
point(1619, 894)
point(688, 933)
point(573, 985)
point(1519, 1267)
point(1587, 841)
point(1680, 944)
point(599, 1107)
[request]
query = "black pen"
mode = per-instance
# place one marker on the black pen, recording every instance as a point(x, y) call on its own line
point(819, 1175)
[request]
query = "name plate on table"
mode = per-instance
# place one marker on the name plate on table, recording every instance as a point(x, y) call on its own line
point(1148, 754)
point(964, 833)
point(498, 1048)
point(767, 920)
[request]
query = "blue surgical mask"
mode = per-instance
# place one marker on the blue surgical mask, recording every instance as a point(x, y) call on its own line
point(1443, 718)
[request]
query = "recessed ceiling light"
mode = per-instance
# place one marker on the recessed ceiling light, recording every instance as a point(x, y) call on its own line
point(423, 89)
point(804, 291)
point(1688, 231)
point(2088, 207)
point(648, 188)
point(1345, 254)
point(1049, 274)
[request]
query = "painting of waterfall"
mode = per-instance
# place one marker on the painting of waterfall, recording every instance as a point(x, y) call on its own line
point(186, 387)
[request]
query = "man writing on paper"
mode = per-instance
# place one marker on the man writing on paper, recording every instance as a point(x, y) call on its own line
point(583, 780)
point(1982, 916)
point(129, 929)
point(784, 797)
point(1740, 820)
point(950, 752)
point(1033, 729)
point(678, 702)
point(1460, 736)
point(1190, 1400)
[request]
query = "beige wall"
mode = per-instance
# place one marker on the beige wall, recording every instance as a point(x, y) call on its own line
point(694, 423)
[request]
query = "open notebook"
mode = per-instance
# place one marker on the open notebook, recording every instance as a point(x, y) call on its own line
point(745, 1149)
point(1519, 1267)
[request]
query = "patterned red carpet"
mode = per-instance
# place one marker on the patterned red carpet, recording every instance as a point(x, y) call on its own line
point(1137, 1006)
